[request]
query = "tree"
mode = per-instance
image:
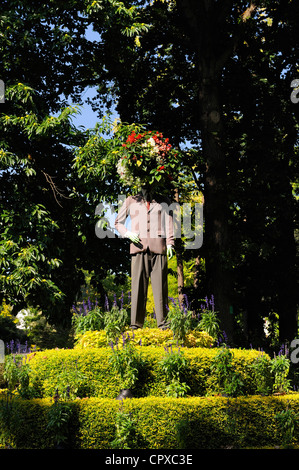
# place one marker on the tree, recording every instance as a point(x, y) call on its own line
point(262, 133)
point(47, 217)
point(204, 73)
point(32, 221)
point(175, 80)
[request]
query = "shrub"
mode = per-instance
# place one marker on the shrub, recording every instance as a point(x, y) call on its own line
point(228, 380)
point(205, 423)
point(92, 318)
point(47, 368)
point(280, 366)
point(16, 374)
point(23, 423)
point(59, 417)
point(173, 365)
point(125, 431)
point(287, 421)
point(8, 324)
point(146, 337)
point(209, 322)
point(126, 362)
point(115, 323)
point(262, 377)
point(91, 321)
point(179, 318)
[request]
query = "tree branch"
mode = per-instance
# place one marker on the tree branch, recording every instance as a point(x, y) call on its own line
point(248, 12)
point(55, 190)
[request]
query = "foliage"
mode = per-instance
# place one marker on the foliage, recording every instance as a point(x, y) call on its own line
point(70, 381)
point(17, 374)
point(44, 212)
point(280, 366)
point(155, 419)
point(127, 363)
point(39, 333)
point(29, 215)
point(59, 416)
point(115, 323)
point(229, 380)
point(173, 366)
point(125, 431)
point(209, 322)
point(8, 324)
point(93, 369)
point(261, 367)
point(179, 319)
point(113, 320)
point(146, 336)
point(287, 420)
point(90, 321)
point(145, 157)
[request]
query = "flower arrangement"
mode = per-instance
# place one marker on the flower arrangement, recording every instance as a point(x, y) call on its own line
point(146, 157)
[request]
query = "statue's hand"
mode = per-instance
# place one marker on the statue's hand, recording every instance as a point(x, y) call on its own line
point(134, 237)
point(169, 252)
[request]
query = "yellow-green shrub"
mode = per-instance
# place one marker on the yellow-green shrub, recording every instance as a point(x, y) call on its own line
point(89, 368)
point(147, 336)
point(204, 423)
point(23, 423)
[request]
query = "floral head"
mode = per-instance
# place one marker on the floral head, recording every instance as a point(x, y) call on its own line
point(146, 158)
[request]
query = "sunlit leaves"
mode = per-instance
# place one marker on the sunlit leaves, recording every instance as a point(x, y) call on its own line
point(30, 123)
point(115, 11)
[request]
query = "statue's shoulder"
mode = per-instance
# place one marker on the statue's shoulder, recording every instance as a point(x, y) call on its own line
point(132, 199)
point(161, 198)
point(136, 198)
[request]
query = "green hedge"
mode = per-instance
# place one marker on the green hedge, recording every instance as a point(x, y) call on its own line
point(147, 336)
point(89, 371)
point(215, 422)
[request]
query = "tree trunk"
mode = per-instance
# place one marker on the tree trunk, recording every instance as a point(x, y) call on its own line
point(180, 264)
point(287, 288)
point(205, 26)
point(216, 238)
point(196, 273)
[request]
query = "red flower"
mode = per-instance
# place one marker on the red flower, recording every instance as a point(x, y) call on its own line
point(161, 168)
point(131, 137)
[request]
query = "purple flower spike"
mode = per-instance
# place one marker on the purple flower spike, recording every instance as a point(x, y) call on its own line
point(212, 302)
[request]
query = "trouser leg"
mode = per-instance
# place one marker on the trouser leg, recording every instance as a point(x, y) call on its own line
point(139, 287)
point(160, 287)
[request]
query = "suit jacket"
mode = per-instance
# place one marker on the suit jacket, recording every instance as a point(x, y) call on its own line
point(154, 224)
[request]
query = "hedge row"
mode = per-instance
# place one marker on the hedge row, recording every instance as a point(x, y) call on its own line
point(168, 423)
point(89, 371)
point(147, 337)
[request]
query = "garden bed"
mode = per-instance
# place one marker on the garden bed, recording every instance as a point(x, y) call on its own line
point(87, 372)
point(158, 423)
point(183, 397)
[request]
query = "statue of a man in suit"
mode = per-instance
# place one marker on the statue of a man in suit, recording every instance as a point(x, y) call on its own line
point(152, 241)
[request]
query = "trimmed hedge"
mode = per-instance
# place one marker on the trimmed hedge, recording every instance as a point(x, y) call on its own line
point(147, 336)
point(160, 423)
point(89, 371)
